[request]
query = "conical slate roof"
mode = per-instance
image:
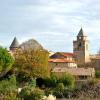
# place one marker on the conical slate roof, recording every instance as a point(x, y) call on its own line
point(15, 43)
point(81, 33)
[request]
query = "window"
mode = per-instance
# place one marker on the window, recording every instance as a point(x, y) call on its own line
point(82, 77)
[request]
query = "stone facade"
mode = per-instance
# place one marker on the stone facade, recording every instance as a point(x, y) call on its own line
point(78, 73)
point(62, 59)
point(62, 64)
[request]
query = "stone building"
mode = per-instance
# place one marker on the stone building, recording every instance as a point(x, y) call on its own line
point(78, 73)
point(62, 59)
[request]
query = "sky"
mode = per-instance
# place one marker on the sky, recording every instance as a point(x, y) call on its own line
point(53, 23)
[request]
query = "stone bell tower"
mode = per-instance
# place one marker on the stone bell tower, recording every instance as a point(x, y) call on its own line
point(81, 48)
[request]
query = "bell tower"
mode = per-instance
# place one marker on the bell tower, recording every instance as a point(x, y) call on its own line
point(81, 48)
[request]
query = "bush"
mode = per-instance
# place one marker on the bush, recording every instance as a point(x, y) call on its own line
point(32, 82)
point(97, 73)
point(37, 94)
point(29, 93)
point(7, 86)
point(10, 96)
point(25, 93)
point(48, 91)
point(58, 91)
point(67, 93)
point(68, 81)
point(58, 94)
point(51, 82)
point(60, 87)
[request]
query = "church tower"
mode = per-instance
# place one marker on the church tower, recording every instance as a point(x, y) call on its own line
point(81, 48)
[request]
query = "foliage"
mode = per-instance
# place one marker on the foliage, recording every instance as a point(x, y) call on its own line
point(68, 81)
point(32, 63)
point(60, 87)
point(61, 92)
point(32, 82)
point(10, 96)
point(8, 86)
point(97, 73)
point(58, 94)
point(51, 81)
point(48, 91)
point(37, 94)
point(29, 93)
point(6, 61)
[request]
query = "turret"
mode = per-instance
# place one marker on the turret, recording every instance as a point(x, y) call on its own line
point(14, 45)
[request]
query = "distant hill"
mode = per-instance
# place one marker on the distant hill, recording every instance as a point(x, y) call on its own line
point(31, 44)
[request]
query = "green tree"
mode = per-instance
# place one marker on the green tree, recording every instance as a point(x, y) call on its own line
point(32, 63)
point(6, 61)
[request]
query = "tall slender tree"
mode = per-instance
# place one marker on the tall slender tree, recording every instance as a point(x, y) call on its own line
point(6, 61)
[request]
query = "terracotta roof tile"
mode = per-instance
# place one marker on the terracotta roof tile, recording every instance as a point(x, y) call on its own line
point(61, 60)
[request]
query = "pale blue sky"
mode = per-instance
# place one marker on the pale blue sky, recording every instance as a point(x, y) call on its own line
point(54, 23)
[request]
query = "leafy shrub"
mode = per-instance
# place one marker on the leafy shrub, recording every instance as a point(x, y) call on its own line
point(10, 96)
point(67, 93)
point(25, 93)
point(97, 73)
point(48, 91)
point(29, 93)
point(51, 82)
point(60, 87)
point(37, 94)
point(7, 86)
point(32, 82)
point(68, 81)
point(58, 94)
point(58, 91)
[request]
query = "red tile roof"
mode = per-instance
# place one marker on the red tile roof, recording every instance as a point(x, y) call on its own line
point(67, 54)
point(61, 60)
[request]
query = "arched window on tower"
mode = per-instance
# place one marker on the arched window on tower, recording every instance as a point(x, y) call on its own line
point(79, 46)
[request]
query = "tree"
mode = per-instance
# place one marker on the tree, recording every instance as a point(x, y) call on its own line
point(6, 61)
point(31, 63)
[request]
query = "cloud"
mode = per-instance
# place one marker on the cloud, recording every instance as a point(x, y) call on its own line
point(54, 23)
